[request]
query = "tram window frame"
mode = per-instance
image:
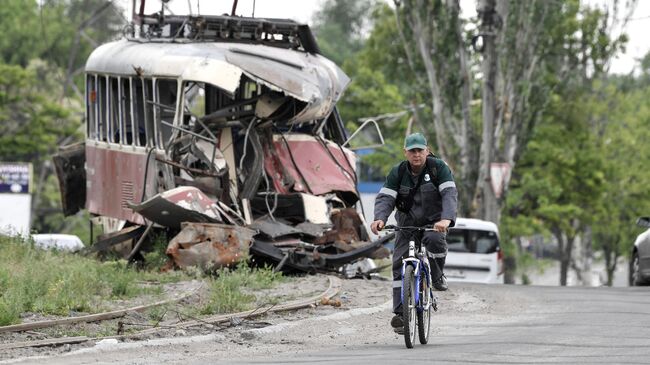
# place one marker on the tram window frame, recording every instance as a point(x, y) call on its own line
point(102, 112)
point(115, 128)
point(126, 111)
point(91, 106)
point(170, 88)
point(138, 111)
point(194, 99)
point(149, 124)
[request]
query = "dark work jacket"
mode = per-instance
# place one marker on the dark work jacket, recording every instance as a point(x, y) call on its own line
point(436, 199)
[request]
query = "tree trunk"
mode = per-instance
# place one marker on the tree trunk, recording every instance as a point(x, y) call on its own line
point(487, 200)
point(610, 251)
point(583, 257)
point(565, 248)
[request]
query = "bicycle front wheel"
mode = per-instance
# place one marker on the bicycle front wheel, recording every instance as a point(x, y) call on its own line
point(409, 306)
point(424, 316)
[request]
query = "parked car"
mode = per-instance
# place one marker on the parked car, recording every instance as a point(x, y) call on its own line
point(474, 252)
point(640, 262)
point(61, 242)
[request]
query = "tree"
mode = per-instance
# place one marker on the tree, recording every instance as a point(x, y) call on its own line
point(63, 32)
point(560, 180)
point(44, 46)
point(623, 145)
point(529, 49)
point(32, 125)
point(340, 26)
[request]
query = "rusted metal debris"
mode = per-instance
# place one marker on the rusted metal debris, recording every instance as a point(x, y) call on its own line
point(227, 134)
point(178, 205)
point(209, 246)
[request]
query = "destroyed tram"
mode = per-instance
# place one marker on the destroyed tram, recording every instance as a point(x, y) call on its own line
point(223, 131)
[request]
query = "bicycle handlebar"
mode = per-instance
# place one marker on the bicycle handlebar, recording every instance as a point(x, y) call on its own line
point(395, 228)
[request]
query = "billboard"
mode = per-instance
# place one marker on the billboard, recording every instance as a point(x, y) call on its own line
point(15, 178)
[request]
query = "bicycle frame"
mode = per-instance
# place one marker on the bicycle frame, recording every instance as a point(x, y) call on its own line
point(421, 266)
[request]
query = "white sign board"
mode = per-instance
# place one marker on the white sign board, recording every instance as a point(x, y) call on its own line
point(499, 174)
point(15, 197)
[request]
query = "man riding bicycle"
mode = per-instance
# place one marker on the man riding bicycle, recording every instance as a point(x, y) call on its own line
point(423, 190)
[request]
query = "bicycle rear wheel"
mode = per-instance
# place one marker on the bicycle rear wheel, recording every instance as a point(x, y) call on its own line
point(408, 306)
point(424, 316)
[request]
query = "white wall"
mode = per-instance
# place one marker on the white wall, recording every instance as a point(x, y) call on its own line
point(15, 213)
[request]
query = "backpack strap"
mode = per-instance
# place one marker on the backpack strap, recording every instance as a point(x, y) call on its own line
point(400, 173)
point(431, 167)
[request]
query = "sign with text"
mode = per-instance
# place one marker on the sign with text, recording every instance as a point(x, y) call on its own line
point(15, 177)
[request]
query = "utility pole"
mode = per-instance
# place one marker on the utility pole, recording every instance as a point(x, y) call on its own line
point(490, 24)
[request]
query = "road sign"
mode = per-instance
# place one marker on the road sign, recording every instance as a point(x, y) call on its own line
point(499, 175)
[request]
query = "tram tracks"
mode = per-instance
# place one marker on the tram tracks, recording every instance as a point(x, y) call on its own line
point(212, 321)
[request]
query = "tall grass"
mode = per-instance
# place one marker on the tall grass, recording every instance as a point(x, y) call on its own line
point(226, 293)
point(50, 282)
point(58, 283)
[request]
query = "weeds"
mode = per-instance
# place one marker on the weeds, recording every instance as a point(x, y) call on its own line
point(58, 283)
point(156, 257)
point(51, 282)
point(225, 291)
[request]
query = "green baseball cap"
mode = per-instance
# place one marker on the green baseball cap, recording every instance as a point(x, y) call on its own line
point(415, 140)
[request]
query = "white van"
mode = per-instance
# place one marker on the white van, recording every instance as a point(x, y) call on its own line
point(474, 253)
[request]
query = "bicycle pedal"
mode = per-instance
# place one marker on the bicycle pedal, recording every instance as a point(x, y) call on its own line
point(399, 331)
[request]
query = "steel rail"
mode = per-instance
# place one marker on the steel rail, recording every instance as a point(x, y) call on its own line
point(88, 318)
point(332, 290)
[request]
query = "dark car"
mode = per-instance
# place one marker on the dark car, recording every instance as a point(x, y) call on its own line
point(640, 262)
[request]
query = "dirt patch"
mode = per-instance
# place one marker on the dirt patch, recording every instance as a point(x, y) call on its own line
point(167, 317)
point(362, 319)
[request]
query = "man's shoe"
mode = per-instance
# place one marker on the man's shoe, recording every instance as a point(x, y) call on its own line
point(397, 322)
point(441, 284)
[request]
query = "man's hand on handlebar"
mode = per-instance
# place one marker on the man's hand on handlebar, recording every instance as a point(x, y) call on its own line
point(442, 225)
point(377, 226)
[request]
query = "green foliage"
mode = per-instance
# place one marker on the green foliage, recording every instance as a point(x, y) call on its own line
point(226, 293)
point(43, 44)
point(560, 178)
point(31, 123)
point(50, 31)
point(156, 257)
point(339, 26)
point(50, 282)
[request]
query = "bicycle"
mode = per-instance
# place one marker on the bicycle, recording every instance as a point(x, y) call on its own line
point(416, 273)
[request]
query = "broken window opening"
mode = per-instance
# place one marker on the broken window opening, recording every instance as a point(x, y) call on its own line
point(91, 106)
point(149, 125)
point(102, 112)
point(126, 111)
point(114, 130)
point(165, 110)
point(138, 111)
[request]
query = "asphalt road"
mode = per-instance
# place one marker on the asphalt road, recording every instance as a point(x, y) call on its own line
point(477, 324)
point(559, 325)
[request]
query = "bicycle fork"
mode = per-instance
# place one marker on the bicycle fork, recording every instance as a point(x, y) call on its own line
point(412, 260)
point(415, 262)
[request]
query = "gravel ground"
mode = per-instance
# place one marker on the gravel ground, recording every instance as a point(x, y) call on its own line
point(362, 319)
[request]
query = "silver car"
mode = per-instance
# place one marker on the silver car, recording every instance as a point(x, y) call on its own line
point(640, 262)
